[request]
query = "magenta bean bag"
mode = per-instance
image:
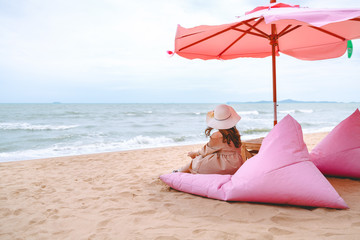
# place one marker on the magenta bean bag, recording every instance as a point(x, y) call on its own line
point(281, 173)
point(338, 154)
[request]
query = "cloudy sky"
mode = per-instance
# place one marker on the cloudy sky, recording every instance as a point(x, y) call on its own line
point(114, 51)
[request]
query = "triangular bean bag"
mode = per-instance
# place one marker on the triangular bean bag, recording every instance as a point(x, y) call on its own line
point(280, 173)
point(338, 154)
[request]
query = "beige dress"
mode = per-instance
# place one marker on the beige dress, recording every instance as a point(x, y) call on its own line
point(216, 157)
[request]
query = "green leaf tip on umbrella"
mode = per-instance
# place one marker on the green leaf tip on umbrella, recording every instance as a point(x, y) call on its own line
point(349, 48)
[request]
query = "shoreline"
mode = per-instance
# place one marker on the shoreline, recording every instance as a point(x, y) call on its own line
point(119, 195)
point(306, 135)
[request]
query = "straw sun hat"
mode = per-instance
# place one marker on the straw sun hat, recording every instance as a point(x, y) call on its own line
point(222, 117)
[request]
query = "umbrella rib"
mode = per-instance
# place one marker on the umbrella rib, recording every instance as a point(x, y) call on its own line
point(231, 45)
point(213, 35)
point(256, 29)
point(327, 32)
point(286, 28)
point(245, 32)
point(188, 35)
point(283, 32)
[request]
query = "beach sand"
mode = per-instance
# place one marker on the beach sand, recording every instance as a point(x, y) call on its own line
point(119, 196)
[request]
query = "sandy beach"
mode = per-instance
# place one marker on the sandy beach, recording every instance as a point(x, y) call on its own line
point(118, 195)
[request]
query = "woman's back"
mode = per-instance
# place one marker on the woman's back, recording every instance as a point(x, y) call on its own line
point(217, 157)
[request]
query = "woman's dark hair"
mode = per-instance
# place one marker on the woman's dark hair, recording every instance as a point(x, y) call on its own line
point(229, 135)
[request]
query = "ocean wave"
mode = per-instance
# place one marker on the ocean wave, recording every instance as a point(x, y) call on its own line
point(188, 113)
point(69, 149)
point(248, 113)
point(287, 111)
point(145, 140)
point(33, 127)
point(305, 110)
point(292, 111)
point(147, 125)
point(318, 126)
point(256, 130)
point(138, 114)
point(73, 113)
point(323, 129)
point(266, 112)
point(180, 139)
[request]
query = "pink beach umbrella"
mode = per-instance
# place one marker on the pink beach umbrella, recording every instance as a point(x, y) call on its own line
point(303, 33)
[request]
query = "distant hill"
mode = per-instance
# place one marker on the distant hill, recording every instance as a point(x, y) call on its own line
point(286, 101)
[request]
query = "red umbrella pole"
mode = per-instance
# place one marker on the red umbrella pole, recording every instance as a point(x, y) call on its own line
point(273, 42)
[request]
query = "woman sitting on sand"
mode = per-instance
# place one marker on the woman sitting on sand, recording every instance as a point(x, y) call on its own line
point(221, 155)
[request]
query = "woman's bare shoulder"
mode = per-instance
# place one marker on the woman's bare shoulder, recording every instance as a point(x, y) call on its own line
point(216, 135)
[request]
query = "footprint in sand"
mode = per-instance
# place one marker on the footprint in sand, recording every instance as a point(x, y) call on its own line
point(19, 191)
point(51, 213)
point(98, 236)
point(279, 231)
point(17, 212)
point(280, 219)
point(126, 194)
point(103, 223)
point(5, 212)
point(101, 188)
point(113, 210)
point(286, 220)
point(144, 212)
point(37, 221)
point(37, 183)
point(355, 224)
point(166, 238)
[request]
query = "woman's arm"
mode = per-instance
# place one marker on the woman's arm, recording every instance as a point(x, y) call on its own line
point(193, 154)
point(212, 146)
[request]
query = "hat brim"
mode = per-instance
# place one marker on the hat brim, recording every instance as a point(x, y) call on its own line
point(223, 124)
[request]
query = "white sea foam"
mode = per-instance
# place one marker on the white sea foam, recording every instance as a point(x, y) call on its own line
point(306, 110)
point(31, 131)
point(27, 126)
point(56, 150)
point(317, 130)
point(140, 141)
point(292, 111)
point(248, 113)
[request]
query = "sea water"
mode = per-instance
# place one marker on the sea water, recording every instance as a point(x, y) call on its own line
point(31, 131)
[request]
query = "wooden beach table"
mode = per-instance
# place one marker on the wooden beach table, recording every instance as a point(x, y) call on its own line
point(250, 148)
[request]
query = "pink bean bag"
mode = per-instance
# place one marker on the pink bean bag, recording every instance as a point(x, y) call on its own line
point(281, 173)
point(338, 154)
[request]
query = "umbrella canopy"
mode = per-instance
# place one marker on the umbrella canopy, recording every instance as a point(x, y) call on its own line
point(303, 33)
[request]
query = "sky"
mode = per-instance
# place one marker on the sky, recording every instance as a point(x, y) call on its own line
point(115, 51)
